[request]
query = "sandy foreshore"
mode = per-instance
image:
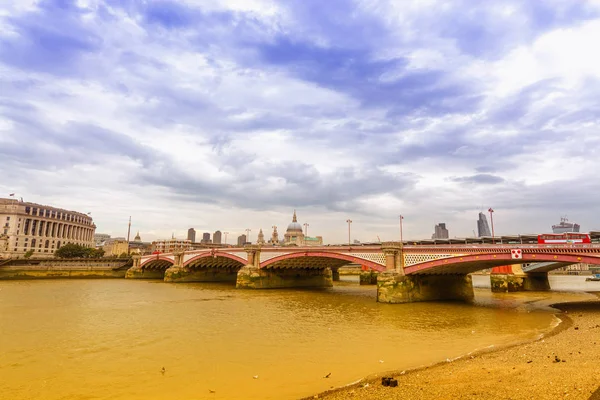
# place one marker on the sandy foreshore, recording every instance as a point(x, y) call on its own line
point(563, 364)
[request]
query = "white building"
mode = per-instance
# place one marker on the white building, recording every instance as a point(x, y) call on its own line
point(41, 229)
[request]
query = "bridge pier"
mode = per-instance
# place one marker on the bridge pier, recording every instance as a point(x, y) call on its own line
point(512, 278)
point(137, 272)
point(251, 277)
point(335, 275)
point(394, 287)
point(184, 274)
point(368, 277)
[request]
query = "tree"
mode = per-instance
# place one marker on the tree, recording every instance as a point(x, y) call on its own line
point(124, 255)
point(28, 254)
point(77, 251)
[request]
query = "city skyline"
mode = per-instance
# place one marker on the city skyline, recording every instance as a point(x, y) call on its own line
point(343, 114)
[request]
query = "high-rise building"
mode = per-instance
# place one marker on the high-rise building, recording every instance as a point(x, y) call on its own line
point(206, 238)
point(241, 240)
point(565, 226)
point(440, 231)
point(192, 235)
point(483, 229)
point(217, 237)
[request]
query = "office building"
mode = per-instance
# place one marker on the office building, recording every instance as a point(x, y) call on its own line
point(217, 237)
point(192, 235)
point(483, 229)
point(440, 231)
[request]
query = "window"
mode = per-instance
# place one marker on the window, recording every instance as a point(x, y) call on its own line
point(27, 210)
point(8, 218)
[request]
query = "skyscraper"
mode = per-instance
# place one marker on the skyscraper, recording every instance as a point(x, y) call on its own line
point(206, 237)
point(241, 240)
point(483, 229)
point(440, 231)
point(192, 235)
point(217, 237)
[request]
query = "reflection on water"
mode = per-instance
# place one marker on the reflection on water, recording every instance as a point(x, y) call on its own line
point(111, 338)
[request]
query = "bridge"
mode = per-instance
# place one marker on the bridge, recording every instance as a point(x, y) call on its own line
point(407, 273)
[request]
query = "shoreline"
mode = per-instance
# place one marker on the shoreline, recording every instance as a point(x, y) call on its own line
point(462, 378)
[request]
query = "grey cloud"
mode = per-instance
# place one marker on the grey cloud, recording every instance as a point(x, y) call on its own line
point(484, 179)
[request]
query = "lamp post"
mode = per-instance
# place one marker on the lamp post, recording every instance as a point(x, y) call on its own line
point(248, 235)
point(491, 211)
point(349, 221)
point(401, 218)
point(225, 233)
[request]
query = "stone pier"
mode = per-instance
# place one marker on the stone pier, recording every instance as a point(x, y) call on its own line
point(250, 277)
point(394, 286)
point(368, 277)
point(335, 275)
point(183, 274)
point(512, 278)
point(137, 272)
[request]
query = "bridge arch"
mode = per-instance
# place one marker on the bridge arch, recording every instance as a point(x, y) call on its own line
point(158, 262)
point(216, 259)
point(321, 258)
point(474, 262)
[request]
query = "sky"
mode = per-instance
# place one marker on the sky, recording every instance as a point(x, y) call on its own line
point(231, 114)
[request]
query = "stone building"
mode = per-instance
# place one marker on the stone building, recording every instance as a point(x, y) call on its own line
point(170, 245)
point(42, 229)
point(295, 236)
point(115, 247)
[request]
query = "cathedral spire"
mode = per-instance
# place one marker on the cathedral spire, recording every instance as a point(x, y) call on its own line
point(294, 219)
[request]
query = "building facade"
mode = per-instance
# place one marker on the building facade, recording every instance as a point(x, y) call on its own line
point(192, 235)
point(41, 229)
point(170, 245)
point(483, 229)
point(295, 236)
point(440, 232)
point(241, 241)
point(217, 237)
point(206, 238)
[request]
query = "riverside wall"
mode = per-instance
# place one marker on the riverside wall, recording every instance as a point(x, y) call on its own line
point(63, 268)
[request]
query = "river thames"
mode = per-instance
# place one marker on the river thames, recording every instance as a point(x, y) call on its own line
point(111, 339)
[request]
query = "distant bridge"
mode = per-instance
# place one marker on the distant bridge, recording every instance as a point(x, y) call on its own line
point(268, 267)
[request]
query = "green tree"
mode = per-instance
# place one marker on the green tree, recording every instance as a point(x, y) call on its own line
point(72, 250)
point(28, 254)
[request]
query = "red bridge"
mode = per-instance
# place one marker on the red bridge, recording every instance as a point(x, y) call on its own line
point(408, 273)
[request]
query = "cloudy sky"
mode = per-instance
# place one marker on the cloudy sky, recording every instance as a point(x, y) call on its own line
point(230, 114)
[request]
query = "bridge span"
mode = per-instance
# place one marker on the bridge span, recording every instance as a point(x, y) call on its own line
point(407, 273)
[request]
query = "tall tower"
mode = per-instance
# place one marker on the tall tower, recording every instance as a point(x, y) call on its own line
point(261, 237)
point(192, 235)
point(483, 229)
point(217, 237)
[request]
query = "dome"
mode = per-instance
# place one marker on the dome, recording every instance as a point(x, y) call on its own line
point(294, 226)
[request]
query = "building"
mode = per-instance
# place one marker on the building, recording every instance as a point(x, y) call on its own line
point(30, 227)
point(565, 226)
point(192, 235)
point(217, 237)
point(241, 241)
point(100, 238)
point(170, 245)
point(274, 237)
point(206, 238)
point(140, 247)
point(261, 237)
point(440, 231)
point(483, 229)
point(115, 247)
point(295, 236)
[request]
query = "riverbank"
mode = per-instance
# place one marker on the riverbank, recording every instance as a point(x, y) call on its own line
point(564, 363)
point(56, 268)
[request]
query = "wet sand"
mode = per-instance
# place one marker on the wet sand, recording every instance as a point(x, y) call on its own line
point(563, 364)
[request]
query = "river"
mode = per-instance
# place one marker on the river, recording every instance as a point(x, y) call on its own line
point(111, 339)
